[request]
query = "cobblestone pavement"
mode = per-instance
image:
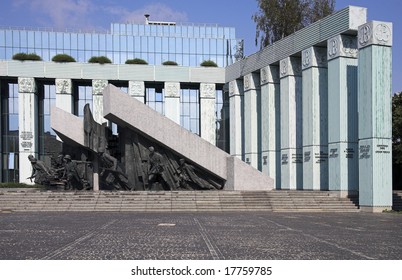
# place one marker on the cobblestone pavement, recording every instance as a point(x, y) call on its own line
point(63, 236)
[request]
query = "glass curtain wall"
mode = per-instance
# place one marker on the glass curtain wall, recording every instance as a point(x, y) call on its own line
point(222, 119)
point(10, 131)
point(154, 97)
point(49, 146)
point(82, 96)
point(190, 107)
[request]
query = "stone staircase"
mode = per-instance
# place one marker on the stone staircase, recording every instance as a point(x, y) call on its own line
point(397, 201)
point(187, 201)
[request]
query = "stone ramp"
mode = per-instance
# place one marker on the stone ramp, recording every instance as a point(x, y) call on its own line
point(126, 111)
point(185, 201)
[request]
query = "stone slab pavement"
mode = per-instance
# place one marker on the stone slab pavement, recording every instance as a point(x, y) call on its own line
point(200, 236)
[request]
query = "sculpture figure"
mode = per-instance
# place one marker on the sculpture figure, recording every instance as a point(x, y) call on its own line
point(111, 172)
point(156, 169)
point(73, 180)
point(40, 173)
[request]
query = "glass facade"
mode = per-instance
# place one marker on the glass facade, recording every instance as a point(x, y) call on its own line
point(49, 146)
point(222, 119)
point(188, 45)
point(82, 96)
point(190, 107)
point(154, 97)
point(9, 131)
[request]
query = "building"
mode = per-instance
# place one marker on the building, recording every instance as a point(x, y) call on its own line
point(311, 111)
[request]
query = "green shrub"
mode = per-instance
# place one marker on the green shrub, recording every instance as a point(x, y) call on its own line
point(169, 62)
point(63, 58)
point(208, 63)
point(136, 61)
point(99, 59)
point(26, 56)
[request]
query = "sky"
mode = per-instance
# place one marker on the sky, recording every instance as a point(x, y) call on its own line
point(89, 15)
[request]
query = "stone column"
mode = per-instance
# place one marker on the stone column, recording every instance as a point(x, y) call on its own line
point(64, 96)
point(342, 115)
point(236, 100)
point(270, 123)
point(251, 111)
point(172, 101)
point(207, 112)
point(315, 119)
point(375, 116)
point(28, 125)
point(97, 94)
point(136, 89)
point(291, 123)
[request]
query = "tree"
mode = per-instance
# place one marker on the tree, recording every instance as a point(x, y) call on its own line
point(397, 128)
point(277, 19)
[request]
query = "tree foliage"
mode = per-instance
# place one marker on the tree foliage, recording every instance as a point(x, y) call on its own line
point(397, 128)
point(277, 19)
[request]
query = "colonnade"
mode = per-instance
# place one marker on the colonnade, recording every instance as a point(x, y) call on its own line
point(320, 119)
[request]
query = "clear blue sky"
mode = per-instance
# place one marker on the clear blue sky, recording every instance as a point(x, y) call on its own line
point(98, 14)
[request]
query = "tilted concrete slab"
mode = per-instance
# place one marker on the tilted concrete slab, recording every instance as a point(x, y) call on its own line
point(126, 111)
point(68, 127)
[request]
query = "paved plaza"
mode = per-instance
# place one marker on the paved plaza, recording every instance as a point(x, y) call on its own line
point(208, 236)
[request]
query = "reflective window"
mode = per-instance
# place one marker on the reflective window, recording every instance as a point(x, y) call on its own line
point(59, 40)
point(2, 38)
point(16, 38)
point(74, 41)
point(9, 38)
point(190, 108)
point(154, 94)
point(83, 95)
point(49, 146)
point(38, 39)
point(9, 132)
point(31, 39)
point(222, 119)
point(45, 40)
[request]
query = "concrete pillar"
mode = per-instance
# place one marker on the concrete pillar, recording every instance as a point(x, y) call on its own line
point(236, 100)
point(375, 116)
point(342, 115)
point(270, 123)
point(207, 112)
point(28, 125)
point(315, 118)
point(97, 89)
point(291, 123)
point(172, 101)
point(136, 89)
point(64, 95)
point(252, 92)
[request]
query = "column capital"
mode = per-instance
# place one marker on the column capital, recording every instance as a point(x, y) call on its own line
point(172, 89)
point(290, 66)
point(64, 86)
point(207, 90)
point(375, 33)
point(251, 81)
point(342, 46)
point(26, 85)
point(235, 88)
point(136, 88)
point(314, 57)
point(269, 75)
point(98, 86)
